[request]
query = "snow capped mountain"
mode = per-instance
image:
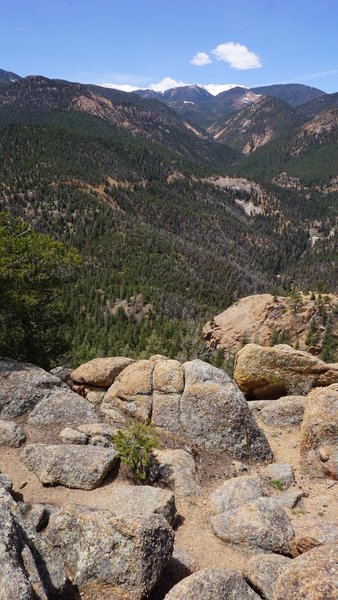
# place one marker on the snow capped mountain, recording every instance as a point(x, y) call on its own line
point(167, 83)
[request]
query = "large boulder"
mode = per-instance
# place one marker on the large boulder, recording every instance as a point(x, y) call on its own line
point(261, 523)
point(73, 466)
point(195, 401)
point(263, 570)
point(123, 554)
point(319, 433)
point(138, 501)
point(22, 385)
point(62, 407)
point(212, 584)
point(100, 372)
point(273, 372)
point(311, 576)
point(281, 473)
point(288, 410)
point(11, 434)
point(236, 492)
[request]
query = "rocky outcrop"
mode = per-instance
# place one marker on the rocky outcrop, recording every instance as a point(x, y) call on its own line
point(22, 385)
point(265, 320)
point(319, 433)
point(121, 554)
point(273, 372)
point(73, 466)
point(288, 410)
point(195, 401)
point(62, 407)
point(311, 576)
point(100, 372)
point(236, 492)
point(261, 523)
point(262, 572)
point(209, 584)
point(11, 434)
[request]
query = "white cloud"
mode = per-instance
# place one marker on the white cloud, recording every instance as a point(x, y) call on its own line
point(200, 59)
point(237, 56)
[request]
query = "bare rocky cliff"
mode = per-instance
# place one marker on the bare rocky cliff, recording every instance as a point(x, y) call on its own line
point(305, 321)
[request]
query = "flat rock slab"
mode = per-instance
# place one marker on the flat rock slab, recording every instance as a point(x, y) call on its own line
point(100, 372)
point(311, 576)
point(263, 570)
point(82, 467)
point(22, 385)
point(62, 407)
point(236, 492)
point(261, 523)
point(213, 584)
point(11, 434)
point(139, 501)
point(288, 410)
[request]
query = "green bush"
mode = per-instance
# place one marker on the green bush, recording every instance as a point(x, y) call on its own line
point(135, 446)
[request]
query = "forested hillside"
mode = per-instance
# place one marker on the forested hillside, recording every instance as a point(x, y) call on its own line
point(163, 248)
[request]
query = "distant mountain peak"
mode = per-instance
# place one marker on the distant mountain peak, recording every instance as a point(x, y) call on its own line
point(8, 76)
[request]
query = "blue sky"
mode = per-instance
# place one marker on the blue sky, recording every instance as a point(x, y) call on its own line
point(140, 42)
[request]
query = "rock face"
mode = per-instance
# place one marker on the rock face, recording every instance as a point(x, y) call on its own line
point(194, 400)
point(236, 492)
point(29, 566)
point(263, 570)
point(11, 434)
point(82, 467)
point(288, 410)
point(140, 501)
point(316, 535)
point(262, 319)
point(22, 385)
point(319, 433)
point(177, 470)
point(14, 583)
point(272, 372)
point(62, 407)
point(261, 523)
point(100, 372)
point(126, 554)
point(311, 576)
point(212, 584)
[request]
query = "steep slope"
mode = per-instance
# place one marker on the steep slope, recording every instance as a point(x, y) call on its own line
point(294, 94)
point(252, 127)
point(199, 106)
point(8, 77)
point(32, 98)
point(319, 105)
point(309, 154)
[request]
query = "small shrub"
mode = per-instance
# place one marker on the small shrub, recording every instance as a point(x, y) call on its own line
point(277, 484)
point(135, 446)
